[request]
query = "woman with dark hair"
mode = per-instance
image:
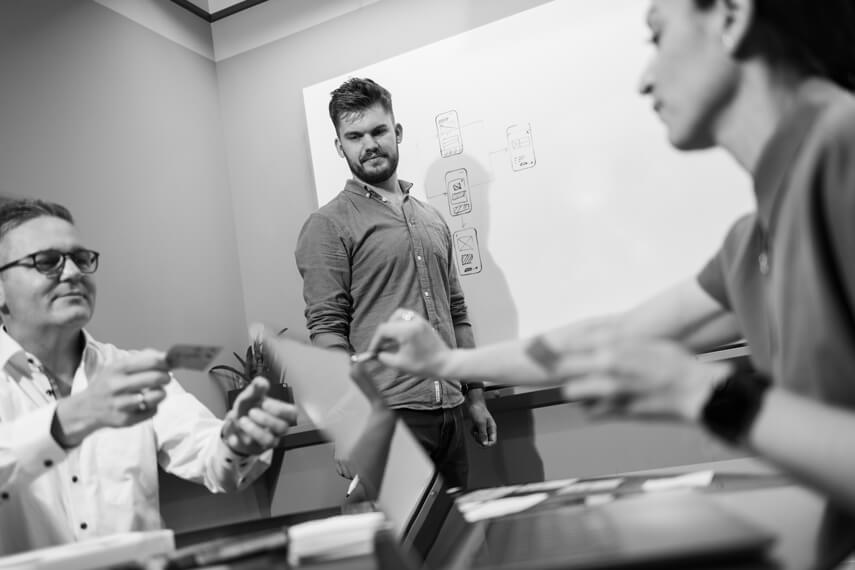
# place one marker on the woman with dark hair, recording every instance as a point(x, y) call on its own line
point(769, 82)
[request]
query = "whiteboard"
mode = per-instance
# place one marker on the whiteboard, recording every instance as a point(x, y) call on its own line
point(564, 198)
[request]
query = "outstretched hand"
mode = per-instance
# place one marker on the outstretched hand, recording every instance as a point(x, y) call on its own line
point(641, 377)
point(124, 393)
point(419, 349)
point(256, 422)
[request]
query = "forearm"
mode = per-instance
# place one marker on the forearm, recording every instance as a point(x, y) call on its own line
point(331, 340)
point(502, 363)
point(811, 441)
point(684, 313)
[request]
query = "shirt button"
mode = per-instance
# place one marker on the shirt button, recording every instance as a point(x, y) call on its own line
point(419, 257)
point(84, 526)
point(4, 495)
point(74, 479)
point(763, 262)
point(427, 293)
point(48, 462)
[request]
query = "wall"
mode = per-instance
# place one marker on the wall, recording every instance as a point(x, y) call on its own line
point(267, 144)
point(269, 166)
point(122, 126)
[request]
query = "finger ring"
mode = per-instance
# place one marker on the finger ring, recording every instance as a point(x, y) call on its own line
point(407, 315)
point(142, 405)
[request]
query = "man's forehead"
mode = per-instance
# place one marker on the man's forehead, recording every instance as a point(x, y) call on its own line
point(44, 232)
point(358, 120)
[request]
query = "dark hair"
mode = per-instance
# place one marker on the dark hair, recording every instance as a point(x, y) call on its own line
point(354, 96)
point(16, 212)
point(817, 36)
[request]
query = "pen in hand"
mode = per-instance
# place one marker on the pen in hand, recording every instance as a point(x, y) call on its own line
point(352, 487)
point(386, 345)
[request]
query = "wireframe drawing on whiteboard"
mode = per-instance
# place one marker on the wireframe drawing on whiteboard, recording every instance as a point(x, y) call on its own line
point(457, 190)
point(467, 251)
point(521, 147)
point(448, 133)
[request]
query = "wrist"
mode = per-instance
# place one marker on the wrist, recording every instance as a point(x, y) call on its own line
point(445, 362)
point(69, 426)
point(733, 406)
point(475, 395)
point(705, 379)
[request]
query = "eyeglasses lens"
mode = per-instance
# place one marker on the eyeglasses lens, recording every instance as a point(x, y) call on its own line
point(52, 261)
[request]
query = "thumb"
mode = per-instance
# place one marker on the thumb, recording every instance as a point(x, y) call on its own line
point(492, 432)
point(251, 397)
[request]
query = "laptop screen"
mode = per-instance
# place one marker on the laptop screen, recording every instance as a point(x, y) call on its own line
point(380, 447)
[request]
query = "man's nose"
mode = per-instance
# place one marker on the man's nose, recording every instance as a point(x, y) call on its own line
point(70, 270)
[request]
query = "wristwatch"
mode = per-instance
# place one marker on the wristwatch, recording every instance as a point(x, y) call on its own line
point(734, 404)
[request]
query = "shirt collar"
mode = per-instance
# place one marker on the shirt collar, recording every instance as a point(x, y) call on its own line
point(779, 155)
point(11, 351)
point(358, 187)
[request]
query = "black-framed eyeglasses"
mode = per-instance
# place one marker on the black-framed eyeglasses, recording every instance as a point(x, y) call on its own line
point(52, 261)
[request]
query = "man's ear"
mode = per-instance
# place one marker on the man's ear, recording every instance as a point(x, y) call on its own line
point(4, 310)
point(338, 148)
point(399, 132)
point(737, 18)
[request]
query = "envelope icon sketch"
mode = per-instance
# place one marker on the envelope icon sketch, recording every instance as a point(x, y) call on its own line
point(465, 243)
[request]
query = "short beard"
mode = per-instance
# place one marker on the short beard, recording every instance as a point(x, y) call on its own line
point(376, 177)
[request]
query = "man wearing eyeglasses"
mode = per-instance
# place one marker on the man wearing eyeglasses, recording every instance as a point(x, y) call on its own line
point(83, 424)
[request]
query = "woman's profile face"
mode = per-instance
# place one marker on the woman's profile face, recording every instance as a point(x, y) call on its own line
point(691, 77)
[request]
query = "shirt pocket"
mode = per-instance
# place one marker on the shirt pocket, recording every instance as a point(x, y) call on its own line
point(127, 462)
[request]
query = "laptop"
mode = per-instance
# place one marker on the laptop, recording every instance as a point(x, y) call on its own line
point(560, 530)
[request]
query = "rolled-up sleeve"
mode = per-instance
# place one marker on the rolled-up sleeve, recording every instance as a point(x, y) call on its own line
point(324, 264)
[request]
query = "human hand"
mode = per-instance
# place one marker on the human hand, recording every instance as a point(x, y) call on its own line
point(122, 394)
point(343, 466)
point(256, 422)
point(483, 425)
point(641, 377)
point(420, 350)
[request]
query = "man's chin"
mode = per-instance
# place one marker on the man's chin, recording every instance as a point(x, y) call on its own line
point(374, 178)
point(78, 314)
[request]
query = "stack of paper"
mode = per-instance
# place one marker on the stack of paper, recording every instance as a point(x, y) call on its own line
point(334, 537)
point(124, 548)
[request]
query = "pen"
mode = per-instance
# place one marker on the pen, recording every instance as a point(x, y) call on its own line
point(388, 345)
point(363, 357)
point(352, 487)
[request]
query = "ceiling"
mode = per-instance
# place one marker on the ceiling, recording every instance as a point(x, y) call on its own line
point(213, 10)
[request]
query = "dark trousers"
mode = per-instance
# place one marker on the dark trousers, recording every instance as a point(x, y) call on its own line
point(441, 432)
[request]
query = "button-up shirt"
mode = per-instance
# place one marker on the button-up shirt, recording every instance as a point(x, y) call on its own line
point(361, 258)
point(109, 483)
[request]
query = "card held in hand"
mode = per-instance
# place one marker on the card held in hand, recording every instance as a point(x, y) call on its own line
point(191, 356)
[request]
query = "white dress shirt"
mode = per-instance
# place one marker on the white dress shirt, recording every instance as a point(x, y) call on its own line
point(109, 483)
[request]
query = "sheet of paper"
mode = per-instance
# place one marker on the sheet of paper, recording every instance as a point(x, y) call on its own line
point(689, 480)
point(501, 507)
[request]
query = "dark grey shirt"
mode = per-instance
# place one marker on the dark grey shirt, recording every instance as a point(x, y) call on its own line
point(788, 271)
point(361, 259)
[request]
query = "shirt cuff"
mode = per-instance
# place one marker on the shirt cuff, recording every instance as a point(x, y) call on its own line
point(234, 459)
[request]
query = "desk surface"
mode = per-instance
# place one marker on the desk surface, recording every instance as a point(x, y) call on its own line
point(758, 493)
point(809, 535)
